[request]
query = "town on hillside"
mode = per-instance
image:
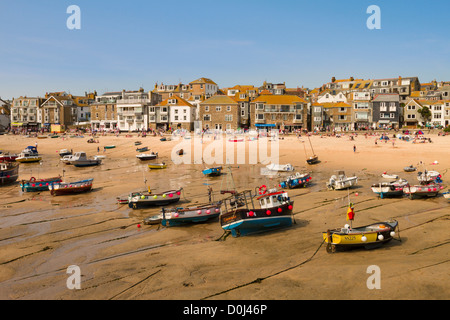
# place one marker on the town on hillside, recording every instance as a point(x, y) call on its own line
point(339, 105)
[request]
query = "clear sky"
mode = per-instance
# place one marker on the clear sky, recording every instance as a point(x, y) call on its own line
point(136, 43)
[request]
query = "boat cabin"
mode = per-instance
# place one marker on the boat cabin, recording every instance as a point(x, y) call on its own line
point(273, 199)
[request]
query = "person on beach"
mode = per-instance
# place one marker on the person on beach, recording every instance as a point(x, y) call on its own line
point(354, 148)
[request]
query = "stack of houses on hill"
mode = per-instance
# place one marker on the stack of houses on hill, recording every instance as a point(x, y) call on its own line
point(341, 105)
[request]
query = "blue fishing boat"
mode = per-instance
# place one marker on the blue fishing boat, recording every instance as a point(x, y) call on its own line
point(215, 171)
point(298, 180)
point(179, 216)
point(241, 218)
point(9, 172)
point(36, 185)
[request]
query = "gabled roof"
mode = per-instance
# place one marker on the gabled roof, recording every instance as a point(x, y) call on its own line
point(180, 102)
point(219, 99)
point(280, 99)
point(203, 80)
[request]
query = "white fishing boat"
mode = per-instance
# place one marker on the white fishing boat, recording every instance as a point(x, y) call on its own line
point(389, 189)
point(80, 159)
point(427, 177)
point(389, 176)
point(446, 194)
point(341, 181)
point(422, 191)
point(280, 167)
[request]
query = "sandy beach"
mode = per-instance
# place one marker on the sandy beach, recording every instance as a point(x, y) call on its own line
point(42, 235)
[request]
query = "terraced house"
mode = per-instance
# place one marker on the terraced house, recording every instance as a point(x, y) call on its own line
point(339, 115)
point(286, 112)
point(24, 112)
point(180, 112)
point(104, 111)
point(386, 111)
point(220, 113)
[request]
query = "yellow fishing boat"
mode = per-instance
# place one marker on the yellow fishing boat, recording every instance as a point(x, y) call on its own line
point(369, 237)
point(157, 166)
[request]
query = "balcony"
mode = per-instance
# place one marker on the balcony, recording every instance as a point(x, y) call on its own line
point(134, 101)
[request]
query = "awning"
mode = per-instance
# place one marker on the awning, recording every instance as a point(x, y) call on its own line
point(265, 125)
point(17, 124)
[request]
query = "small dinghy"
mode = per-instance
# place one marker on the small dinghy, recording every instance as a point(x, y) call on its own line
point(280, 167)
point(410, 168)
point(389, 176)
point(147, 156)
point(341, 181)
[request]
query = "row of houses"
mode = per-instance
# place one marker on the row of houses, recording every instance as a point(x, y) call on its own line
point(346, 104)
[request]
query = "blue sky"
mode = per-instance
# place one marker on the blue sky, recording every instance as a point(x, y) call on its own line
point(129, 44)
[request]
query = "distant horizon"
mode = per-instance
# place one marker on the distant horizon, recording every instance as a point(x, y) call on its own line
point(127, 45)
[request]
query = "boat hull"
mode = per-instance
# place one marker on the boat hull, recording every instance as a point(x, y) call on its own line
point(157, 166)
point(300, 181)
point(68, 188)
point(28, 159)
point(421, 191)
point(9, 174)
point(141, 200)
point(216, 171)
point(181, 216)
point(38, 185)
point(243, 222)
point(369, 237)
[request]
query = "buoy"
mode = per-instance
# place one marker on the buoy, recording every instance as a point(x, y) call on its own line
point(208, 211)
point(392, 233)
point(199, 211)
point(290, 207)
point(363, 238)
point(356, 194)
point(268, 212)
point(138, 225)
point(280, 210)
point(380, 237)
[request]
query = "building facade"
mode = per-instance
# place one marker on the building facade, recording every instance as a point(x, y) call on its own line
point(220, 113)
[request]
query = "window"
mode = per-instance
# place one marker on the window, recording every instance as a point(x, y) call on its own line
point(317, 119)
point(260, 116)
point(413, 107)
point(342, 117)
point(411, 116)
point(228, 108)
point(392, 115)
point(228, 117)
point(383, 106)
point(342, 109)
point(218, 108)
point(260, 106)
point(207, 108)
point(207, 117)
point(176, 118)
point(298, 117)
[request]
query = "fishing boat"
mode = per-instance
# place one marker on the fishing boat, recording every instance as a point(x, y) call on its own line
point(109, 147)
point(9, 172)
point(29, 154)
point(211, 172)
point(66, 159)
point(314, 158)
point(241, 218)
point(389, 189)
point(138, 200)
point(410, 168)
point(389, 176)
point(80, 159)
point(177, 216)
point(341, 181)
point(153, 166)
point(36, 185)
point(422, 191)
point(427, 177)
point(64, 152)
point(8, 157)
point(143, 149)
point(446, 194)
point(67, 188)
point(137, 143)
point(122, 200)
point(147, 156)
point(298, 180)
point(368, 237)
point(280, 167)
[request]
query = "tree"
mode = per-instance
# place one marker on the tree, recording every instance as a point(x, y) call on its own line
point(425, 113)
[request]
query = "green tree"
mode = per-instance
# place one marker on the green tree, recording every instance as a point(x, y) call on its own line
point(425, 113)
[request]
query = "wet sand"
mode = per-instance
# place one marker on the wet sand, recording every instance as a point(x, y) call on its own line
point(42, 235)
